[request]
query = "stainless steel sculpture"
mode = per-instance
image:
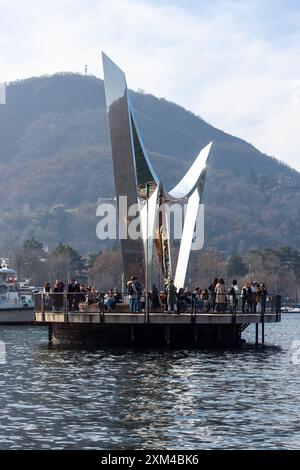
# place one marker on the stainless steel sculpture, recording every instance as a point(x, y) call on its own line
point(132, 171)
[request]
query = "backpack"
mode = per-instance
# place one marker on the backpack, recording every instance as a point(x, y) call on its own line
point(130, 289)
point(231, 291)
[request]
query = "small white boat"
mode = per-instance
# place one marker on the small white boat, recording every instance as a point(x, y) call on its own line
point(16, 303)
point(288, 309)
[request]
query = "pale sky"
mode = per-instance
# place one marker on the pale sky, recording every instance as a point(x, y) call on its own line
point(234, 63)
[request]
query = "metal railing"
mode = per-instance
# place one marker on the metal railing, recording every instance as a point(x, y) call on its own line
point(189, 303)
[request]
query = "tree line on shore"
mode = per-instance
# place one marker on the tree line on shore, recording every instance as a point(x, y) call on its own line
point(278, 268)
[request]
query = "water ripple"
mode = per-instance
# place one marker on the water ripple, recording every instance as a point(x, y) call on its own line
point(110, 399)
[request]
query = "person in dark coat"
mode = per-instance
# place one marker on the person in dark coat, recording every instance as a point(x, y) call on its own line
point(56, 296)
point(70, 295)
point(77, 296)
point(155, 297)
point(212, 290)
point(171, 293)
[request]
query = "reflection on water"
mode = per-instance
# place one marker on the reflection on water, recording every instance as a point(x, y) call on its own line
point(122, 399)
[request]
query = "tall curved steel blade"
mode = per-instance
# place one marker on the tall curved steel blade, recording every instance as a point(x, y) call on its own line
point(193, 177)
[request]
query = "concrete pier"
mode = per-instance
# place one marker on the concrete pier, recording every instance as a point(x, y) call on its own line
point(161, 330)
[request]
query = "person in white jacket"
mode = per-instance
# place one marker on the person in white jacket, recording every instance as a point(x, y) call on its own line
point(233, 295)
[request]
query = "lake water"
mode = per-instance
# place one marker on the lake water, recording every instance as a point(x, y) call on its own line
point(122, 399)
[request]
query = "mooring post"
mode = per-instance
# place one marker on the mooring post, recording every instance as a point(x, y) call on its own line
point(256, 334)
point(278, 308)
point(263, 330)
point(101, 308)
point(167, 335)
point(43, 307)
point(50, 333)
point(65, 307)
point(196, 335)
point(234, 322)
point(263, 311)
point(194, 311)
point(132, 335)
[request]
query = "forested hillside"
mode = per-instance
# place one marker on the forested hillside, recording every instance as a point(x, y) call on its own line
point(55, 163)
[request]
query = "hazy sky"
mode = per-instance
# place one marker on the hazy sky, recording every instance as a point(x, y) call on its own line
point(234, 63)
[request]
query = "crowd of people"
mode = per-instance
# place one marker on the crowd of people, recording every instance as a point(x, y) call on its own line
point(250, 298)
point(76, 294)
point(214, 299)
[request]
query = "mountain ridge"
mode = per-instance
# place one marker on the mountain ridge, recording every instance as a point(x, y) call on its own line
point(55, 158)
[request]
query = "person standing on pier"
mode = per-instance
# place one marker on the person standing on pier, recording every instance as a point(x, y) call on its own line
point(171, 296)
point(220, 296)
point(47, 288)
point(212, 289)
point(132, 294)
point(139, 293)
point(70, 295)
point(233, 295)
point(57, 304)
point(261, 297)
point(77, 296)
point(47, 296)
point(245, 297)
point(254, 299)
point(154, 297)
point(182, 301)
